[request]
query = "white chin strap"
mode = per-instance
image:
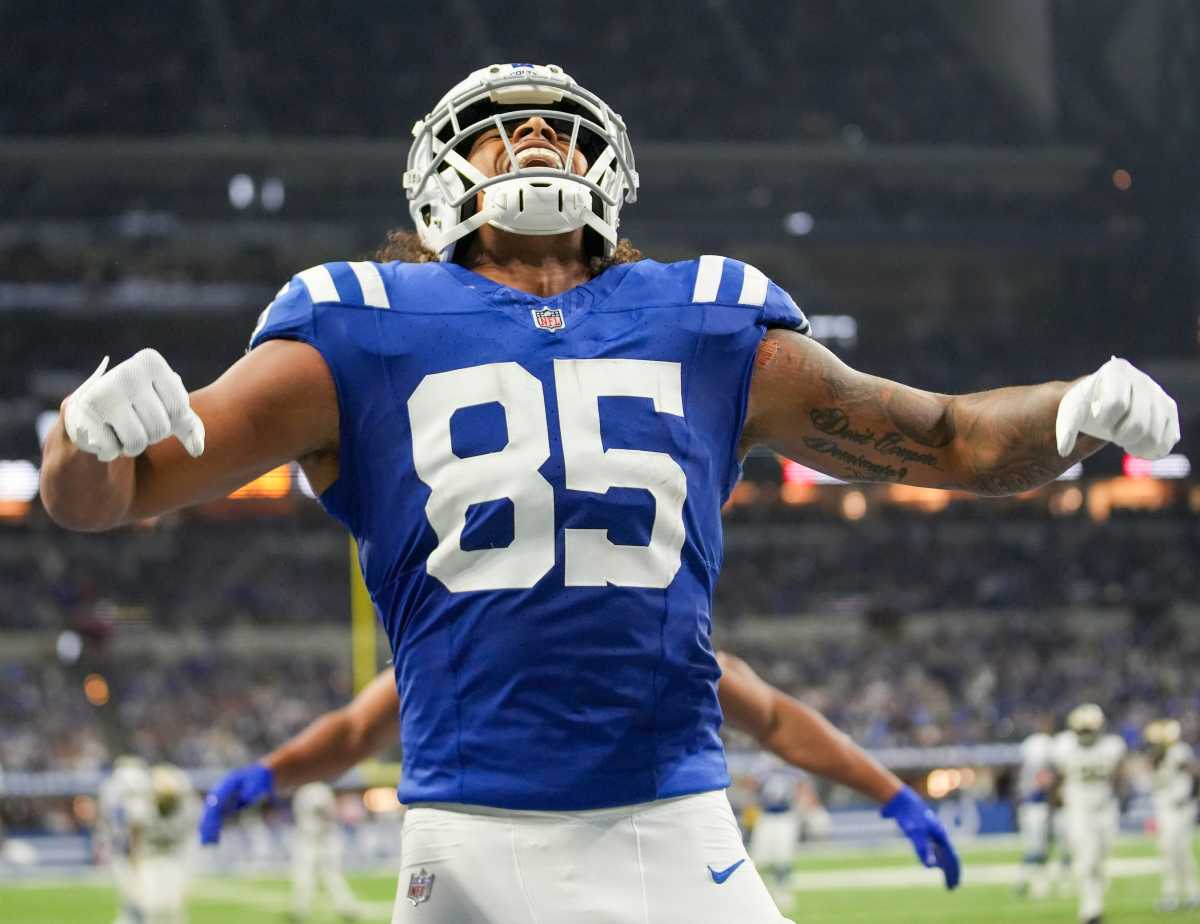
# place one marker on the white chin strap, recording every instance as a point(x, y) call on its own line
point(538, 206)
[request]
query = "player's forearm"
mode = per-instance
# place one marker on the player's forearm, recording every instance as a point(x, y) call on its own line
point(79, 491)
point(323, 751)
point(803, 737)
point(1004, 440)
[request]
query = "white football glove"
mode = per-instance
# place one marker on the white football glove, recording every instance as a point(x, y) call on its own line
point(132, 406)
point(1120, 404)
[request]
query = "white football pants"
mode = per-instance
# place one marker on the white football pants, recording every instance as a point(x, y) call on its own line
point(125, 880)
point(773, 840)
point(1033, 821)
point(318, 860)
point(1090, 834)
point(676, 860)
point(1176, 829)
point(157, 888)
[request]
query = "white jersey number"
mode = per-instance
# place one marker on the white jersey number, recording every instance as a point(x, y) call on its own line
point(456, 483)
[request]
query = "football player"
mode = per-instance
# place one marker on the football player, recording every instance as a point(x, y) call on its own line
point(165, 849)
point(776, 831)
point(1173, 779)
point(317, 853)
point(1088, 763)
point(1034, 785)
point(124, 805)
point(798, 734)
point(531, 436)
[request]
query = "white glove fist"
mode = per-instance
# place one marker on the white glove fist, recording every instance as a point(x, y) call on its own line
point(1120, 404)
point(132, 406)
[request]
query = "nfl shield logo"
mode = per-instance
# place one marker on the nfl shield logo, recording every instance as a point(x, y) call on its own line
point(547, 318)
point(420, 887)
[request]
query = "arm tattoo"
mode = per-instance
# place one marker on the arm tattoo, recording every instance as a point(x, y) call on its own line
point(870, 429)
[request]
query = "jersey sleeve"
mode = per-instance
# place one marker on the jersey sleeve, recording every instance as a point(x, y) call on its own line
point(780, 310)
point(731, 282)
point(289, 316)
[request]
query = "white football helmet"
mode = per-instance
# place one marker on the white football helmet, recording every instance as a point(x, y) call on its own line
point(442, 186)
point(1087, 721)
point(1162, 733)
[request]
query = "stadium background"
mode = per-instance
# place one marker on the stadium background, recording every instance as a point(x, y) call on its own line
point(960, 194)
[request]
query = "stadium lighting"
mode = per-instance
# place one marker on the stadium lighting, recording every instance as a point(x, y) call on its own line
point(274, 484)
point(838, 327)
point(1173, 466)
point(18, 480)
point(795, 473)
point(241, 191)
point(273, 194)
point(854, 505)
point(798, 223)
point(95, 688)
point(68, 647)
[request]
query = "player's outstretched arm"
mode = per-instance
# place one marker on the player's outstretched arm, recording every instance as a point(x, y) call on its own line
point(806, 739)
point(798, 733)
point(810, 406)
point(327, 748)
point(340, 739)
point(132, 443)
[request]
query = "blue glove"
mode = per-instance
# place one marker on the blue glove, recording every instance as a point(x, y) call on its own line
point(240, 789)
point(921, 826)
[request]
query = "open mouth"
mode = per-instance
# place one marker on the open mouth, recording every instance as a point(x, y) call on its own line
point(539, 156)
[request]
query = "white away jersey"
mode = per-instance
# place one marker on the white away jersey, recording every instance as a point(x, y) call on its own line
point(172, 828)
point(314, 806)
point(1089, 771)
point(125, 804)
point(1171, 779)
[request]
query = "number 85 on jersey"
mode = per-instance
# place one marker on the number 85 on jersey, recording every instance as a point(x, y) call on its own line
point(457, 483)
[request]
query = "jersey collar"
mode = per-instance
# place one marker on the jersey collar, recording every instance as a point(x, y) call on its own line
point(583, 297)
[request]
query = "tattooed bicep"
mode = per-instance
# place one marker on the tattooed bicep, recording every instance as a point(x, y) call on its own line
point(810, 406)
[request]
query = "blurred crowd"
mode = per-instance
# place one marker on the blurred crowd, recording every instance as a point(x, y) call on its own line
point(211, 573)
point(217, 710)
point(811, 69)
point(964, 678)
point(962, 627)
point(972, 556)
point(974, 678)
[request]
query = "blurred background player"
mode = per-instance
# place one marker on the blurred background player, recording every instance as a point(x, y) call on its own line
point(1088, 763)
point(163, 857)
point(777, 829)
point(1173, 780)
point(124, 807)
point(1035, 786)
point(798, 734)
point(317, 852)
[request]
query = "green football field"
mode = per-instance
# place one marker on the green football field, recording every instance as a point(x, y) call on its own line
point(883, 886)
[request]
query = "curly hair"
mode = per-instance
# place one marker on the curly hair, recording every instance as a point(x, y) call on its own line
point(406, 247)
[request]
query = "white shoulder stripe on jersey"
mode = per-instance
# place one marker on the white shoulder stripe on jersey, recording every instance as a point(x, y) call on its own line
point(319, 284)
point(371, 282)
point(708, 278)
point(754, 287)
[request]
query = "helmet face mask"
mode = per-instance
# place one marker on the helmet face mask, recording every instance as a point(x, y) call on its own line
point(443, 187)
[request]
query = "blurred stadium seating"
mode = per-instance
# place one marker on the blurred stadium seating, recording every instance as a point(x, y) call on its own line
point(867, 155)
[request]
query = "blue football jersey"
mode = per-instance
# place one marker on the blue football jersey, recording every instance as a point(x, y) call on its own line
point(536, 485)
